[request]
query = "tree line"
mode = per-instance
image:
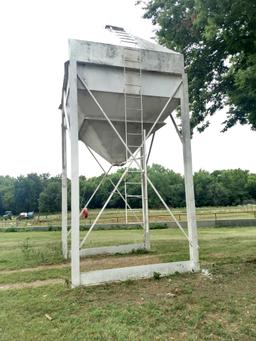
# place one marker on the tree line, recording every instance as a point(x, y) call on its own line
point(42, 193)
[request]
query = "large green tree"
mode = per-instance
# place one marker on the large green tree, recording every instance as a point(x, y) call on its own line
point(7, 200)
point(50, 197)
point(218, 40)
point(26, 191)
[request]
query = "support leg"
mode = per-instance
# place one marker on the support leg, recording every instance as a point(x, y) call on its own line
point(64, 202)
point(75, 256)
point(144, 191)
point(188, 174)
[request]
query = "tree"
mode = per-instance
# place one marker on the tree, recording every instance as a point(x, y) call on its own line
point(231, 186)
point(7, 201)
point(252, 186)
point(50, 197)
point(204, 188)
point(217, 38)
point(27, 190)
point(169, 184)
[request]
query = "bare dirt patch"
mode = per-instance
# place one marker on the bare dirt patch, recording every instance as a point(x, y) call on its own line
point(90, 264)
point(35, 284)
point(95, 263)
point(38, 268)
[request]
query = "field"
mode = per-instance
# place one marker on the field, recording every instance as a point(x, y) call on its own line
point(117, 216)
point(38, 304)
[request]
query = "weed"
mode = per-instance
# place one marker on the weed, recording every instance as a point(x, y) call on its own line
point(139, 252)
point(156, 275)
point(48, 254)
point(26, 248)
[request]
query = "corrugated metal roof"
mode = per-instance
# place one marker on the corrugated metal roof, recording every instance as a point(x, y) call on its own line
point(113, 35)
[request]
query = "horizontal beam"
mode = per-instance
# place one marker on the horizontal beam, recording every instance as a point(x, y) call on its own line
point(106, 54)
point(121, 120)
point(111, 250)
point(133, 272)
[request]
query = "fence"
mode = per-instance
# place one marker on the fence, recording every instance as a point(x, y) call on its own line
point(118, 217)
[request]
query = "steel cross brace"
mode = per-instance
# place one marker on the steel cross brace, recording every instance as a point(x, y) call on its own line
point(176, 128)
point(64, 105)
point(150, 147)
point(173, 93)
point(106, 203)
point(95, 191)
point(133, 157)
point(114, 190)
point(97, 188)
point(120, 194)
point(107, 118)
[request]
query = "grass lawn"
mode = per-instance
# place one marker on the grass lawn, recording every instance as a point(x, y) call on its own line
point(221, 306)
point(117, 216)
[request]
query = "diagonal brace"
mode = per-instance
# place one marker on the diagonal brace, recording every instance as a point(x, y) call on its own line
point(176, 128)
point(106, 203)
point(167, 208)
point(120, 194)
point(109, 121)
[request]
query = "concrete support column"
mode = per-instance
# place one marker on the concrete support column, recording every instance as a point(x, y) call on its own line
point(75, 220)
point(144, 192)
point(188, 174)
point(64, 191)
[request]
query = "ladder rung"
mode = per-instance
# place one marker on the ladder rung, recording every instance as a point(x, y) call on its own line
point(133, 99)
point(128, 41)
point(134, 72)
point(131, 60)
point(137, 158)
point(125, 34)
point(134, 171)
point(125, 37)
point(134, 75)
point(134, 209)
point(130, 145)
point(133, 96)
point(133, 196)
point(135, 109)
point(132, 84)
point(135, 134)
point(132, 183)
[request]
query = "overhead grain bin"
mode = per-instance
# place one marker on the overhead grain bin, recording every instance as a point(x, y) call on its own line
point(120, 75)
point(116, 93)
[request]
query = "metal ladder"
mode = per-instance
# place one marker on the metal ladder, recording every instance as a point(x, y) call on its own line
point(133, 111)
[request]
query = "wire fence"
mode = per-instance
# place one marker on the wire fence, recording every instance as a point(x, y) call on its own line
point(112, 216)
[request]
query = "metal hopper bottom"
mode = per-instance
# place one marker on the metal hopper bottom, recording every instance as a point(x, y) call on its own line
point(100, 136)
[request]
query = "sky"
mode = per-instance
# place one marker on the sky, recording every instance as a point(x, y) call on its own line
point(34, 45)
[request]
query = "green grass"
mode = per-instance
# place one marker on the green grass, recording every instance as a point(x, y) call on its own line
point(31, 276)
point(20, 250)
point(117, 216)
point(180, 307)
